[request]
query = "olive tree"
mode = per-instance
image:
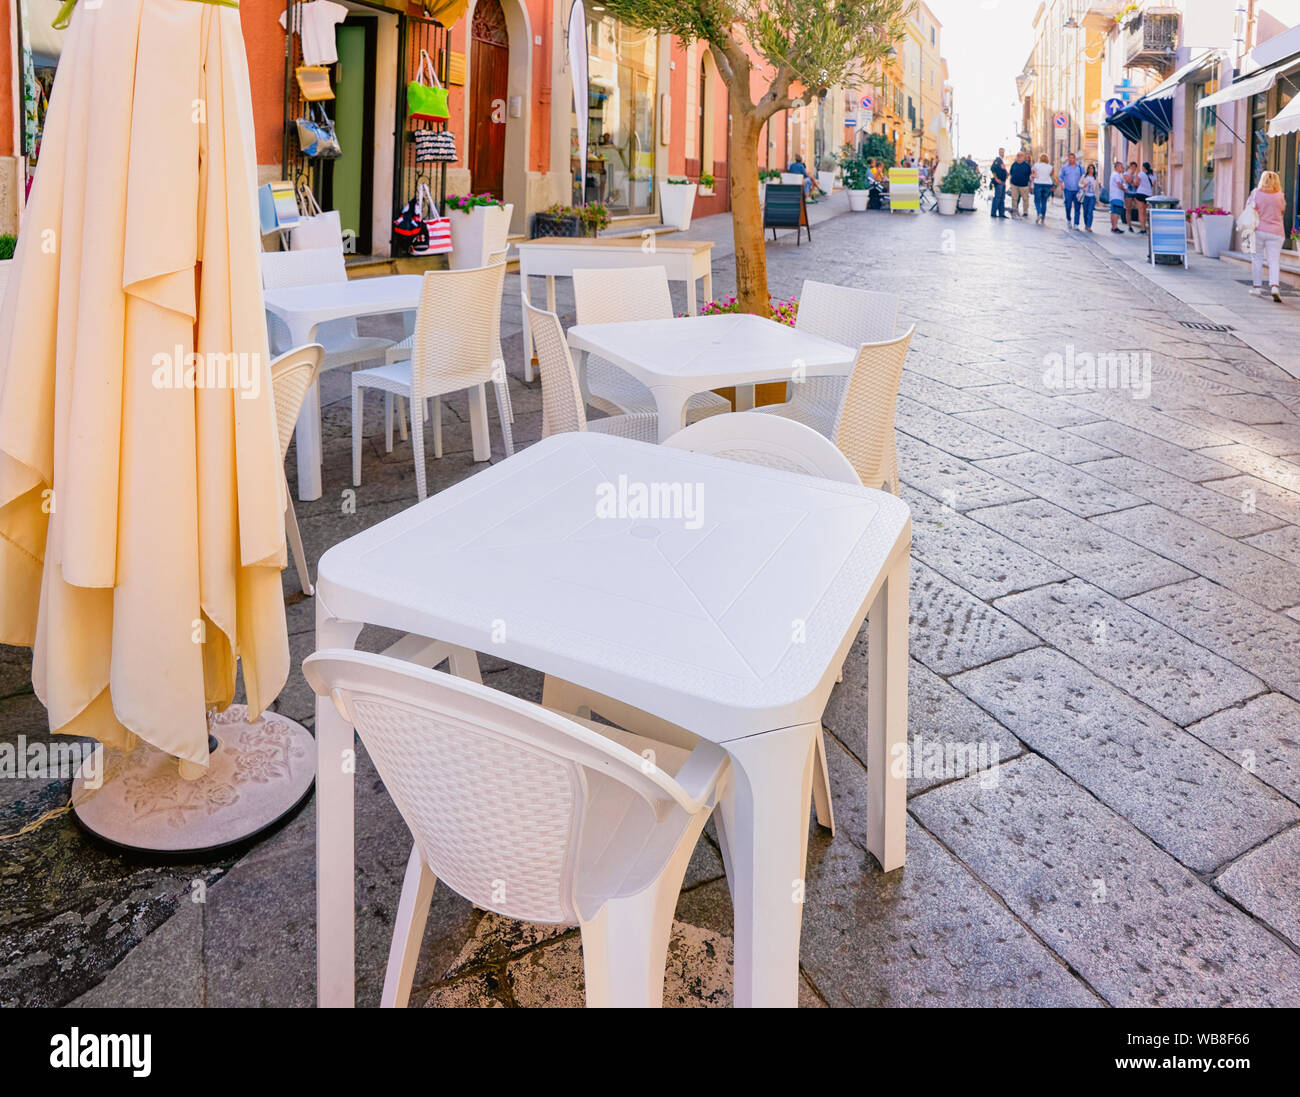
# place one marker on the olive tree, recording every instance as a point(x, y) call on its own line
point(772, 55)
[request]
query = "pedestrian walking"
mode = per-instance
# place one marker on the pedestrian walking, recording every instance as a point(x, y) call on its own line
point(1044, 185)
point(1117, 192)
point(1270, 204)
point(1071, 176)
point(1088, 190)
point(1022, 172)
point(999, 175)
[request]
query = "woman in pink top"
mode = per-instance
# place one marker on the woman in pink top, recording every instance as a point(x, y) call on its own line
point(1270, 204)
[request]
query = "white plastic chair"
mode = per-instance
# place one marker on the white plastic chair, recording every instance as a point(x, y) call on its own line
point(845, 315)
point(563, 409)
point(401, 352)
point(618, 296)
point(528, 813)
point(456, 345)
point(865, 434)
point(310, 267)
point(292, 376)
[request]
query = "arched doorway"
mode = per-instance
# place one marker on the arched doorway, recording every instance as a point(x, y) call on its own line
point(490, 90)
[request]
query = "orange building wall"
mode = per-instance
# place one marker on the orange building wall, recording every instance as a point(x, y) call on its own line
point(6, 86)
point(264, 43)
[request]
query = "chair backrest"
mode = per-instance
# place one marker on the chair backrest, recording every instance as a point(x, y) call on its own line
point(846, 315)
point(457, 338)
point(495, 790)
point(768, 440)
point(309, 267)
point(866, 426)
point(622, 294)
point(292, 374)
point(562, 407)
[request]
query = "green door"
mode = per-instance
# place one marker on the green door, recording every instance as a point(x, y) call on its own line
point(350, 190)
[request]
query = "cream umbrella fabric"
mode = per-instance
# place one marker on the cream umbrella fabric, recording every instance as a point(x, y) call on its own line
point(141, 500)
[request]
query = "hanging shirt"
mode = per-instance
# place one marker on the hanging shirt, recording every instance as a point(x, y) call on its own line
point(319, 18)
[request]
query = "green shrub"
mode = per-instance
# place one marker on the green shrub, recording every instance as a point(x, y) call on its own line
point(7, 246)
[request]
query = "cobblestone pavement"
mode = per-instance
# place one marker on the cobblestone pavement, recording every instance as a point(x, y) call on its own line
point(1106, 606)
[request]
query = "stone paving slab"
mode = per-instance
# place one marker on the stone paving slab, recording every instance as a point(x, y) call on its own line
point(949, 373)
point(1263, 643)
point(1255, 437)
point(1253, 493)
point(1126, 440)
point(951, 481)
point(937, 716)
point(1047, 409)
point(952, 630)
point(1172, 675)
point(1068, 486)
point(1139, 414)
point(1135, 924)
point(1258, 575)
point(930, 935)
point(1276, 470)
point(1262, 736)
point(1191, 800)
point(972, 555)
point(1193, 501)
point(1088, 550)
point(1284, 543)
point(942, 397)
point(1027, 433)
point(1267, 883)
point(949, 433)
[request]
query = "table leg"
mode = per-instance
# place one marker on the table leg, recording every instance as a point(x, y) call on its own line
point(744, 397)
point(887, 718)
point(671, 405)
point(307, 432)
point(762, 821)
point(708, 285)
point(335, 857)
point(478, 424)
point(692, 308)
point(524, 302)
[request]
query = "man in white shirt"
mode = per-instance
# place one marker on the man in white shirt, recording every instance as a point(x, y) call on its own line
point(1116, 190)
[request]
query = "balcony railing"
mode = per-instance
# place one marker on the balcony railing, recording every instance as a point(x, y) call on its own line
point(1151, 40)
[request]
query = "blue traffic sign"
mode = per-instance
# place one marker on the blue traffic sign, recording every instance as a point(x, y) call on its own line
point(1113, 107)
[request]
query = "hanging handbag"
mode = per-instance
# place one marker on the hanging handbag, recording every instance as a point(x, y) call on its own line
point(316, 135)
point(314, 82)
point(435, 147)
point(426, 102)
point(316, 228)
point(434, 237)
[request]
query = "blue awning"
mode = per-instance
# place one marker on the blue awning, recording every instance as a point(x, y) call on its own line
point(1128, 122)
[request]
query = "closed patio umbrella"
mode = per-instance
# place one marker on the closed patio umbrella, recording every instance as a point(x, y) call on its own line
point(141, 514)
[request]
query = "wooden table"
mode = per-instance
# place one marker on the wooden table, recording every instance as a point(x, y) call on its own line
point(554, 257)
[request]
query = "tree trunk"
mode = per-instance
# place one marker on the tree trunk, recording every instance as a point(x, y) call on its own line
point(747, 213)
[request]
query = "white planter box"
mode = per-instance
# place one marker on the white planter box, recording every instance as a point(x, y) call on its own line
point(676, 203)
point(1215, 234)
point(703, 191)
point(858, 199)
point(948, 204)
point(826, 180)
point(966, 201)
point(477, 234)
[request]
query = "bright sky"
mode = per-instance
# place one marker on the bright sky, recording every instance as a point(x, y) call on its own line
point(986, 43)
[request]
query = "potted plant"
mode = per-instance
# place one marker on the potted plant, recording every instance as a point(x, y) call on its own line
point(972, 180)
point(480, 224)
point(765, 176)
point(857, 181)
point(7, 245)
point(960, 180)
point(705, 187)
point(676, 202)
point(561, 220)
point(1212, 228)
point(826, 172)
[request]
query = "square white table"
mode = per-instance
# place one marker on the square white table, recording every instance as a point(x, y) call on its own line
point(303, 309)
point(677, 358)
point(733, 626)
point(688, 261)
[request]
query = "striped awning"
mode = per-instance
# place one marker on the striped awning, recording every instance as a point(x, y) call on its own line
point(1254, 84)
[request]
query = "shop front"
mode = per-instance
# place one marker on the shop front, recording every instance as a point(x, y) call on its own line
point(619, 169)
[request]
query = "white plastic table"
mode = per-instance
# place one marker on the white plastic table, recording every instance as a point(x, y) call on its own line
point(677, 358)
point(688, 261)
point(731, 619)
point(303, 309)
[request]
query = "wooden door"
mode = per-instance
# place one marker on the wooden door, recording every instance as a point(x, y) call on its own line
point(489, 106)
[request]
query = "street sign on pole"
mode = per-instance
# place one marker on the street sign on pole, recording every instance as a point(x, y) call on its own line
point(1113, 107)
point(1061, 121)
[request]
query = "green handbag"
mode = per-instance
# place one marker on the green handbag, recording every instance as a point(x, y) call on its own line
point(426, 102)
